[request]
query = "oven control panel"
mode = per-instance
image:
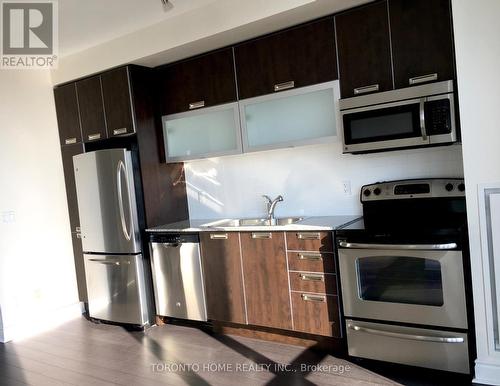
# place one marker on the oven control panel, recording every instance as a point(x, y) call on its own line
point(405, 189)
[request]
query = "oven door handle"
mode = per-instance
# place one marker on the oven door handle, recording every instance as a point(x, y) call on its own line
point(422, 338)
point(413, 247)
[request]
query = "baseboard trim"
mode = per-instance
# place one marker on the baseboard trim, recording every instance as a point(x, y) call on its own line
point(486, 373)
point(42, 322)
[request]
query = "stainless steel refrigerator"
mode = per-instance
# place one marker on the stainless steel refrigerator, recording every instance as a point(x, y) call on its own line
point(114, 264)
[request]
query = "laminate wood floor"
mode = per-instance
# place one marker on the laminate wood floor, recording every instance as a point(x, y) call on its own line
point(84, 353)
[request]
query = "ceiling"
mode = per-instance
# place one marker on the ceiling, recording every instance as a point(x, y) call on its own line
point(87, 23)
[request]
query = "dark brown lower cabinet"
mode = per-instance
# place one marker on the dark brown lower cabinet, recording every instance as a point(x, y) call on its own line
point(79, 267)
point(316, 314)
point(223, 276)
point(266, 279)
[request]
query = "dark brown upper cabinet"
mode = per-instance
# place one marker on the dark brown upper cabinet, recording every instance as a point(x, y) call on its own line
point(223, 276)
point(364, 50)
point(117, 102)
point(203, 81)
point(297, 57)
point(69, 178)
point(422, 41)
point(68, 116)
point(91, 105)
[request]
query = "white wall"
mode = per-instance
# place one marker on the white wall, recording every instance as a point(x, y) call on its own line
point(477, 32)
point(310, 178)
point(37, 275)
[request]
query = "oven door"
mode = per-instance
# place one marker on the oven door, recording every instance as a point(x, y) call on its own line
point(389, 125)
point(403, 283)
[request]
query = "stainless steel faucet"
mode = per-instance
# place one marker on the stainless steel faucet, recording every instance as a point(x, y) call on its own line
point(271, 205)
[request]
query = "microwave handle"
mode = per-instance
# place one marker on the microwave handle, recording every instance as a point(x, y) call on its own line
point(422, 119)
point(345, 244)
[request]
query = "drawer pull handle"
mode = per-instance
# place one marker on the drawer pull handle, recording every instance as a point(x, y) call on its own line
point(196, 105)
point(284, 86)
point(69, 141)
point(123, 130)
point(399, 335)
point(260, 235)
point(311, 277)
point(423, 78)
point(310, 256)
point(218, 236)
point(94, 136)
point(313, 298)
point(308, 236)
point(365, 89)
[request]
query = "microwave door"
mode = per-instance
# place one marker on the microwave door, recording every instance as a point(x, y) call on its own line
point(390, 125)
point(106, 202)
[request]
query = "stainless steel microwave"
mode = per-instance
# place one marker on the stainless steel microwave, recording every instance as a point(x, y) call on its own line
point(411, 117)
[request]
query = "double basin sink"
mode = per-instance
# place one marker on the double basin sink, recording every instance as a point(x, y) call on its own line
point(253, 222)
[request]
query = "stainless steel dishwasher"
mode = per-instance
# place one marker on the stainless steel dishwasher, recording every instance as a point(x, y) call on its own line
point(177, 276)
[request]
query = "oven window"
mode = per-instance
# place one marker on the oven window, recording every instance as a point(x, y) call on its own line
point(399, 279)
point(382, 124)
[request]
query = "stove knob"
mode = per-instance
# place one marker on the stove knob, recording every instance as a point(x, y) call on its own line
point(461, 187)
point(377, 191)
point(367, 192)
point(449, 187)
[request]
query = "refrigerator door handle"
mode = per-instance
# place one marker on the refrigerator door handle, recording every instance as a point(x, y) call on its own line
point(121, 168)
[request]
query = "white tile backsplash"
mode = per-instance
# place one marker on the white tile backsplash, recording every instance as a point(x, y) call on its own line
point(310, 178)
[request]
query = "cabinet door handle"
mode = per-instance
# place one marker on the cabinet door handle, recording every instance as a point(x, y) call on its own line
point(262, 235)
point(122, 130)
point(78, 235)
point(78, 229)
point(310, 256)
point(365, 89)
point(284, 86)
point(218, 236)
point(69, 141)
point(311, 277)
point(94, 136)
point(313, 298)
point(308, 236)
point(423, 78)
point(196, 105)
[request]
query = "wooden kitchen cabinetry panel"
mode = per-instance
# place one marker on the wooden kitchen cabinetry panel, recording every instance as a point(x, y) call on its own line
point(69, 178)
point(311, 262)
point(117, 102)
point(203, 81)
point(316, 314)
point(309, 241)
point(223, 276)
point(364, 50)
point(79, 267)
point(313, 282)
point(91, 109)
point(68, 116)
point(266, 279)
point(422, 41)
point(305, 55)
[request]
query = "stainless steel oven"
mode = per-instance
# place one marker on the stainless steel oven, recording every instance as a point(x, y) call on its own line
point(411, 117)
point(418, 284)
point(402, 273)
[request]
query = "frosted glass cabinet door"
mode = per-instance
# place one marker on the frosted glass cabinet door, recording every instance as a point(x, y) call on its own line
point(208, 132)
point(290, 118)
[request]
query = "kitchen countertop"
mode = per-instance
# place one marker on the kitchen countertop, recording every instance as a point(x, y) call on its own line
point(320, 223)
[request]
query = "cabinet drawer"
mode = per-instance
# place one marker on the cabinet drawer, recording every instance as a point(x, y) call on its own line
point(309, 241)
point(311, 262)
point(313, 282)
point(316, 314)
